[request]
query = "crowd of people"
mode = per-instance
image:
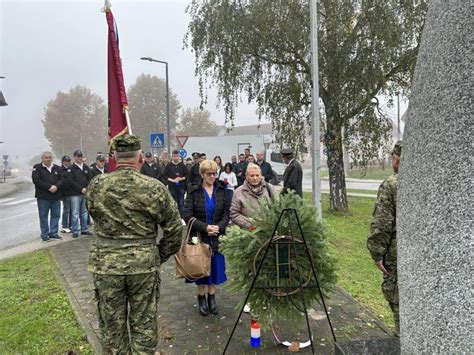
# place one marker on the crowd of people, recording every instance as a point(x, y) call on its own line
point(129, 204)
point(144, 193)
point(67, 183)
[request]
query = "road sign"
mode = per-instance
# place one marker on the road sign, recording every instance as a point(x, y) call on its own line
point(325, 151)
point(182, 140)
point(183, 153)
point(157, 140)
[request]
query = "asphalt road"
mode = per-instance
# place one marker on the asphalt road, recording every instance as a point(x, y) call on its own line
point(350, 183)
point(18, 218)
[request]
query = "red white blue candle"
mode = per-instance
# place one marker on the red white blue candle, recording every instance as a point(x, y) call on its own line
point(255, 334)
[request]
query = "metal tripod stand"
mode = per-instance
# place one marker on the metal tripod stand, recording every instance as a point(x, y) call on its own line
point(288, 212)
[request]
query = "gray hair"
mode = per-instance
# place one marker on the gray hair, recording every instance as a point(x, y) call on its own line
point(127, 155)
point(253, 166)
point(46, 153)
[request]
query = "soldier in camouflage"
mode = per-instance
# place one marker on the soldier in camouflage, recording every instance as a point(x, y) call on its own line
point(382, 241)
point(127, 208)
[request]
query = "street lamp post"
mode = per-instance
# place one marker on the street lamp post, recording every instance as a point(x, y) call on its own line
point(316, 148)
point(168, 125)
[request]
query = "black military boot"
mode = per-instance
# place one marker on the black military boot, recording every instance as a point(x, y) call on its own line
point(202, 303)
point(211, 300)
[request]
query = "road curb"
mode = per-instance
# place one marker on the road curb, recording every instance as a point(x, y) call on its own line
point(92, 337)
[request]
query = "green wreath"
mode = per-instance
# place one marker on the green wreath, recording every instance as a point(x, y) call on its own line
point(244, 251)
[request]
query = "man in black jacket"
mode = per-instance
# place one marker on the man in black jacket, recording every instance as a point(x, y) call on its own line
point(47, 181)
point(81, 175)
point(265, 167)
point(65, 172)
point(240, 169)
point(194, 175)
point(149, 168)
point(175, 175)
point(100, 166)
point(293, 176)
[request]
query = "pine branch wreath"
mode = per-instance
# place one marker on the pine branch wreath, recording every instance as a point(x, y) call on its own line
point(240, 246)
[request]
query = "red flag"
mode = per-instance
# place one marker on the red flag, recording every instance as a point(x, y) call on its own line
point(117, 95)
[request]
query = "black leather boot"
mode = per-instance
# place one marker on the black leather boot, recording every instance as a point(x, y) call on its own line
point(211, 300)
point(202, 303)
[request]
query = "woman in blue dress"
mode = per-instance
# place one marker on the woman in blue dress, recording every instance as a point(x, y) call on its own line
point(209, 204)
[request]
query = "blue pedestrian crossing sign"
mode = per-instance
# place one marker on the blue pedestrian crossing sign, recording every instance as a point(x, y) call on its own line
point(183, 153)
point(157, 140)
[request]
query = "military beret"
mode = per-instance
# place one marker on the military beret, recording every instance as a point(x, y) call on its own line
point(287, 151)
point(126, 143)
point(148, 155)
point(397, 149)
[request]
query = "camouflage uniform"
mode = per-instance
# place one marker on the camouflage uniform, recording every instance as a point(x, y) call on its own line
point(127, 208)
point(382, 240)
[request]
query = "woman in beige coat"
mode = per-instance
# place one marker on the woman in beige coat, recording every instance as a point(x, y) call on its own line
point(248, 197)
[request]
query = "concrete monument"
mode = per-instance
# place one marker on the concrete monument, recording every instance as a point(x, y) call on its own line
point(435, 192)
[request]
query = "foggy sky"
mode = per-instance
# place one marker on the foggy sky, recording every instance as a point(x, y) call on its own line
point(51, 46)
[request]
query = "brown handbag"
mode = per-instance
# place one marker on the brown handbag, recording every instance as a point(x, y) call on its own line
point(193, 261)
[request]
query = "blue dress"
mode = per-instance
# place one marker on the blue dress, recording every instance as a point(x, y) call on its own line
point(218, 275)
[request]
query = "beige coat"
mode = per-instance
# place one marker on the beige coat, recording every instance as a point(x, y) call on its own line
point(245, 202)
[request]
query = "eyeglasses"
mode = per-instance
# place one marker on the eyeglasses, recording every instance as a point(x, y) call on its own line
point(210, 174)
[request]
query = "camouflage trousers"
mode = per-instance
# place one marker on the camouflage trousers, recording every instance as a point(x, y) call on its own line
point(390, 291)
point(127, 307)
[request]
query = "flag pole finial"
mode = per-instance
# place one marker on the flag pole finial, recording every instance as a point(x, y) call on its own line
point(107, 6)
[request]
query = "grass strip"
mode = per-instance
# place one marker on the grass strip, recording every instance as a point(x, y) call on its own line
point(35, 314)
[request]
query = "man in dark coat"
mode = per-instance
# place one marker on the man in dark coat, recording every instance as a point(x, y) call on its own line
point(240, 169)
point(194, 175)
point(100, 166)
point(47, 181)
point(66, 190)
point(293, 176)
point(265, 167)
point(149, 168)
point(176, 175)
point(81, 175)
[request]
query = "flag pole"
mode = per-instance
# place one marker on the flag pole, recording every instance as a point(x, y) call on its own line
point(127, 118)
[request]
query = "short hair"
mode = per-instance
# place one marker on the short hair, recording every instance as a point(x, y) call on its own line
point(207, 166)
point(247, 149)
point(202, 155)
point(241, 154)
point(253, 166)
point(175, 152)
point(45, 153)
point(127, 155)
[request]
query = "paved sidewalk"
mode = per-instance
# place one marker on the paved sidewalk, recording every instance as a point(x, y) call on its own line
point(184, 331)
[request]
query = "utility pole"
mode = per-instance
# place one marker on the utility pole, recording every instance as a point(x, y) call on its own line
point(316, 146)
point(398, 114)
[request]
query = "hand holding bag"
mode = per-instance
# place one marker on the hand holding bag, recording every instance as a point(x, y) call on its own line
point(193, 261)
